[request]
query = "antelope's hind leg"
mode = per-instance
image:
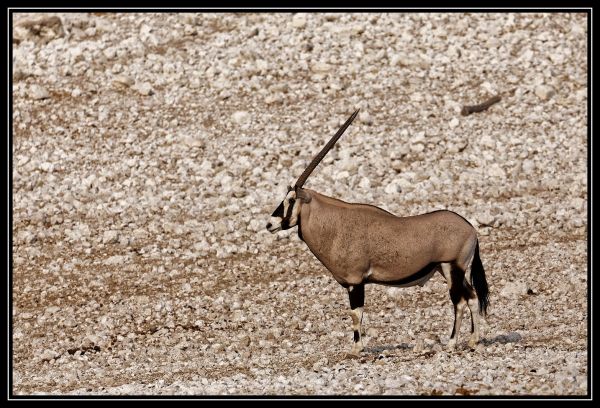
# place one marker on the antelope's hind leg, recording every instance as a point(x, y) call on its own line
point(473, 303)
point(474, 308)
point(357, 302)
point(454, 279)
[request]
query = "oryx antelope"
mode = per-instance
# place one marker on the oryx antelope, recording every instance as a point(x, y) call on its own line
point(361, 243)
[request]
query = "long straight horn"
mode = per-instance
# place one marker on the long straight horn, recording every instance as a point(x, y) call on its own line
point(315, 162)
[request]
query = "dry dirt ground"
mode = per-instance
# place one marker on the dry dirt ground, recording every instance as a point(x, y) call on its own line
point(150, 149)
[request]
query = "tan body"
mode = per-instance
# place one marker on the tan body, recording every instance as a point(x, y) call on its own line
point(360, 243)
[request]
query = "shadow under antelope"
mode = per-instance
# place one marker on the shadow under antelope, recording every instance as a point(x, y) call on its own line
point(361, 244)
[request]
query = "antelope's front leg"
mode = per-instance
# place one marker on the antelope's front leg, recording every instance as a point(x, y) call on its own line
point(357, 302)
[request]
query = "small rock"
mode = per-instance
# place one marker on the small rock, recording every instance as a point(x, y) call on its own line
point(417, 147)
point(453, 123)
point(37, 92)
point(485, 219)
point(244, 341)
point(275, 99)
point(578, 203)
point(342, 175)
point(194, 83)
point(321, 68)
point(144, 88)
point(19, 73)
point(544, 92)
point(393, 188)
point(217, 347)
point(110, 53)
point(123, 80)
point(402, 60)
point(52, 309)
point(299, 20)
point(365, 183)
point(241, 117)
point(496, 171)
point(123, 241)
point(365, 118)
point(319, 364)
point(48, 355)
point(513, 337)
point(115, 260)
point(110, 237)
point(514, 289)
point(528, 166)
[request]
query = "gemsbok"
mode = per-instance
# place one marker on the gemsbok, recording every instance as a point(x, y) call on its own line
point(361, 243)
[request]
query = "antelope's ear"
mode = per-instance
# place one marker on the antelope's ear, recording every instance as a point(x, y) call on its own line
point(303, 195)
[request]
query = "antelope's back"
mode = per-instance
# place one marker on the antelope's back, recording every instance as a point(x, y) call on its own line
point(413, 242)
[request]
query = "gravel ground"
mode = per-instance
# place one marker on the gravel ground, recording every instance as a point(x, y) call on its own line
point(150, 149)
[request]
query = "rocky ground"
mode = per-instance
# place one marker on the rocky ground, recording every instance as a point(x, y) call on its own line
point(150, 149)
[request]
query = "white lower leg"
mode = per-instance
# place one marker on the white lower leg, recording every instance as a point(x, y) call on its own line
point(474, 308)
point(460, 307)
point(357, 315)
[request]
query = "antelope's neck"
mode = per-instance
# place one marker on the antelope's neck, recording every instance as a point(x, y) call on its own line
point(318, 226)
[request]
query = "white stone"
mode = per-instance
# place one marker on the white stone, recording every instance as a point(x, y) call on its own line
point(365, 118)
point(495, 171)
point(38, 92)
point(528, 166)
point(110, 237)
point(115, 260)
point(485, 219)
point(365, 183)
point(544, 92)
point(321, 68)
point(299, 20)
point(392, 188)
point(144, 88)
point(124, 80)
point(241, 117)
point(514, 289)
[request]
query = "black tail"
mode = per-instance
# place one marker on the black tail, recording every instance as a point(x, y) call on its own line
point(479, 283)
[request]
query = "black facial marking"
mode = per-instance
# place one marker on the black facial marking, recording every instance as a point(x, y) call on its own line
point(278, 212)
point(356, 336)
point(290, 207)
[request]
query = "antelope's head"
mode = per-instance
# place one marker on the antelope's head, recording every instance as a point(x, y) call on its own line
point(287, 213)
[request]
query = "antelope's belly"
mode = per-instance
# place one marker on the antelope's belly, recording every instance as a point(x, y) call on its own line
point(399, 279)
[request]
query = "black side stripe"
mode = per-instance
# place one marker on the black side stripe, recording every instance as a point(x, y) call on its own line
point(278, 212)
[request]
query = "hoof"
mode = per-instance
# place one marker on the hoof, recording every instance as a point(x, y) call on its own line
point(356, 349)
point(451, 345)
point(473, 342)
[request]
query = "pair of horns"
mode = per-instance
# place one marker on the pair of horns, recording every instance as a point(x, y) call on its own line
point(315, 162)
